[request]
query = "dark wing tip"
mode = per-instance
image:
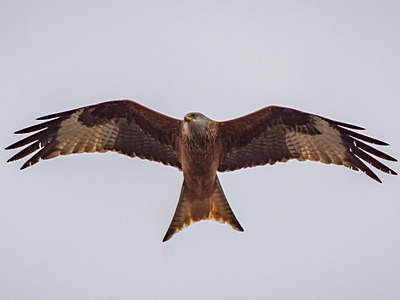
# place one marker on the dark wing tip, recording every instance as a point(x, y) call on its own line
point(24, 166)
point(13, 146)
point(359, 165)
point(27, 164)
point(47, 117)
point(52, 116)
point(24, 130)
point(390, 158)
point(379, 142)
point(351, 126)
point(360, 152)
point(168, 236)
point(362, 137)
point(60, 114)
point(344, 126)
point(42, 135)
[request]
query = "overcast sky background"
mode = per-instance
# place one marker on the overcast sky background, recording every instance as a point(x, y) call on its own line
point(90, 226)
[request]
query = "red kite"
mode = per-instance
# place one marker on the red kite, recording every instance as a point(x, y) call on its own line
point(199, 147)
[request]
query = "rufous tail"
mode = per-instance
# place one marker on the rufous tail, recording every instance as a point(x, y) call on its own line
point(190, 210)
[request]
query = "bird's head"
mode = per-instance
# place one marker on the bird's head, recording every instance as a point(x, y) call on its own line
point(196, 118)
point(197, 124)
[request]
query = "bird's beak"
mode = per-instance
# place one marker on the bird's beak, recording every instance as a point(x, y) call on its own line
point(188, 118)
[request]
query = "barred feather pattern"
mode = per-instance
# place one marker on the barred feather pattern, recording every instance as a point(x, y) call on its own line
point(278, 134)
point(110, 126)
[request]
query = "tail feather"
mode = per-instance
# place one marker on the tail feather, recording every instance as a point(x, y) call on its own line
point(189, 210)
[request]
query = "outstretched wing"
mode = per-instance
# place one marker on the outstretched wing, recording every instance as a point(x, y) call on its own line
point(277, 134)
point(123, 126)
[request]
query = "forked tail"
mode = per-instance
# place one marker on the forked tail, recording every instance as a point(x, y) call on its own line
point(190, 210)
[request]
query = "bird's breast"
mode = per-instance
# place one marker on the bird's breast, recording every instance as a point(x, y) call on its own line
point(199, 164)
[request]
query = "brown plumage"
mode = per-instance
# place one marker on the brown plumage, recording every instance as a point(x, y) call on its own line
point(199, 147)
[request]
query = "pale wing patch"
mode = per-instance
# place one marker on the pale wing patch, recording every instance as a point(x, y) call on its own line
point(75, 137)
point(326, 147)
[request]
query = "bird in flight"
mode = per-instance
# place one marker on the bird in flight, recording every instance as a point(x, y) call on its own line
point(200, 147)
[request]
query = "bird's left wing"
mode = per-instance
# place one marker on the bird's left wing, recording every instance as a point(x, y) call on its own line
point(278, 134)
point(122, 126)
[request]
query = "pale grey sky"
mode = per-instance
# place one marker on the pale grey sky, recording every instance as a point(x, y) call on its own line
point(90, 226)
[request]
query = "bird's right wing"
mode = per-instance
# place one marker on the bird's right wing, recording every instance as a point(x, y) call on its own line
point(122, 126)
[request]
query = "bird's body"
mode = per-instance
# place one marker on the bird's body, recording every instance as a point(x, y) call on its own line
point(201, 147)
point(201, 196)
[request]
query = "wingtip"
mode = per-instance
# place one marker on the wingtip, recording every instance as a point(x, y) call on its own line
point(355, 127)
point(25, 165)
point(167, 236)
point(20, 131)
point(371, 174)
point(12, 146)
point(347, 125)
point(47, 117)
